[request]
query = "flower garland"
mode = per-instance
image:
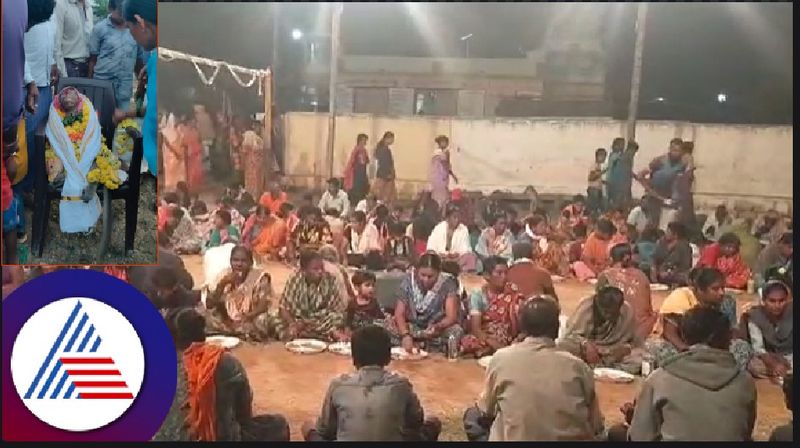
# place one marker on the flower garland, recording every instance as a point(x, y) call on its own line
point(123, 143)
point(106, 164)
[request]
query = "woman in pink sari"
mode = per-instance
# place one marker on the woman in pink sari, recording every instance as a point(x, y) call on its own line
point(173, 153)
point(441, 171)
point(194, 150)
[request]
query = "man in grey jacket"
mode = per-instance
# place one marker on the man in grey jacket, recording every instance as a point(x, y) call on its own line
point(372, 404)
point(699, 394)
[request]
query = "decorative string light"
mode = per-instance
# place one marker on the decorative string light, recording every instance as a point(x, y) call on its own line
point(236, 71)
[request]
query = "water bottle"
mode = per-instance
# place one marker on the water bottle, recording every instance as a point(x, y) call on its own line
point(452, 348)
point(648, 365)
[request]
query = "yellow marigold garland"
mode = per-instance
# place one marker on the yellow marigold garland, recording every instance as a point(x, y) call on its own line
point(107, 163)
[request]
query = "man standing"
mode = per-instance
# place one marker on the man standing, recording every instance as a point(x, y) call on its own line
point(41, 72)
point(74, 22)
point(384, 188)
point(114, 55)
point(554, 401)
point(141, 17)
point(613, 186)
point(659, 180)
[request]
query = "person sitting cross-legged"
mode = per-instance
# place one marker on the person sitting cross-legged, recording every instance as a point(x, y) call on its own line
point(213, 400)
point(533, 390)
point(770, 329)
point(602, 331)
point(700, 394)
point(492, 311)
point(371, 404)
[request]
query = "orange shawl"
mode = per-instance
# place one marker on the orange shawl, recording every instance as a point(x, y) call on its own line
point(201, 361)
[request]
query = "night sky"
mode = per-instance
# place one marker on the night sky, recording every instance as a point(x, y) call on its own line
point(692, 51)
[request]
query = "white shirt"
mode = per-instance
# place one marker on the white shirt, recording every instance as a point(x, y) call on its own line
point(364, 243)
point(719, 227)
point(637, 218)
point(459, 244)
point(340, 203)
point(39, 48)
point(73, 27)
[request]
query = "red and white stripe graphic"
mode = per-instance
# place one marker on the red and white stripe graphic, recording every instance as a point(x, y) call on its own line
point(96, 378)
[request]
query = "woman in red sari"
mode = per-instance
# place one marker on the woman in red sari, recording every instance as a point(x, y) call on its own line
point(725, 257)
point(493, 311)
point(194, 149)
point(356, 182)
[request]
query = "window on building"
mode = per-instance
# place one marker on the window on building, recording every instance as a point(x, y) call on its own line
point(371, 100)
point(437, 102)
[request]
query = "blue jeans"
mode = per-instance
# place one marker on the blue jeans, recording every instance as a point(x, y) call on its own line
point(123, 90)
point(32, 121)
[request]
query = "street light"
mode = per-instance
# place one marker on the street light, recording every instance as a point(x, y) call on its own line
point(466, 39)
point(721, 97)
point(297, 34)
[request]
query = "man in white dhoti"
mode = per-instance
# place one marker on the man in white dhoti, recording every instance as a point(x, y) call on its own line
point(77, 149)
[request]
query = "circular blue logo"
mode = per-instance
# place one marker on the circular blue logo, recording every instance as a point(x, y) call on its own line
point(86, 357)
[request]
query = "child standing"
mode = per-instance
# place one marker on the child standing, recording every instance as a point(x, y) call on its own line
point(594, 191)
point(364, 310)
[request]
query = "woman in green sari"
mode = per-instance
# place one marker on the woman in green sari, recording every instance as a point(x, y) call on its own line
point(312, 305)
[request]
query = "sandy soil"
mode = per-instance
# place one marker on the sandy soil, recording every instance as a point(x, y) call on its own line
point(283, 383)
point(61, 248)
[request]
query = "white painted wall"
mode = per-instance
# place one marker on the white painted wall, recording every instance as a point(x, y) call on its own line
point(736, 164)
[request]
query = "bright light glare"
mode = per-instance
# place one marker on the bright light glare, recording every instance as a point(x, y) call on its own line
point(466, 37)
point(721, 97)
point(660, 99)
point(297, 34)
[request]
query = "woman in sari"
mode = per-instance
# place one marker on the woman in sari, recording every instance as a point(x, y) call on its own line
point(707, 287)
point(213, 399)
point(548, 250)
point(635, 287)
point(724, 256)
point(770, 329)
point(254, 155)
point(492, 311)
point(441, 171)
point(174, 154)
point(356, 182)
point(602, 331)
point(427, 312)
point(183, 235)
point(239, 304)
point(264, 234)
point(312, 305)
point(311, 233)
point(496, 240)
point(190, 138)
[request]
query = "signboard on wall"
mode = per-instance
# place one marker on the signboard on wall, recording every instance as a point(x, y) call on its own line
point(470, 103)
point(401, 101)
point(344, 99)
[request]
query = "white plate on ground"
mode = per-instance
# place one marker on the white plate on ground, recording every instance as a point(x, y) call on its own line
point(592, 281)
point(733, 291)
point(484, 362)
point(658, 287)
point(556, 278)
point(400, 354)
point(224, 341)
point(306, 346)
point(608, 375)
point(341, 348)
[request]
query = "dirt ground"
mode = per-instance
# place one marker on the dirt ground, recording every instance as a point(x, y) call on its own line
point(283, 382)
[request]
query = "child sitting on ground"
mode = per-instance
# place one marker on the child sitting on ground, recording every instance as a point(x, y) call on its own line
point(202, 220)
point(576, 246)
point(399, 248)
point(364, 310)
point(223, 232)
point(228, 204)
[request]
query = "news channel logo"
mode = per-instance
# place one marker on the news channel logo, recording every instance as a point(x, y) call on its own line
point(86, 357)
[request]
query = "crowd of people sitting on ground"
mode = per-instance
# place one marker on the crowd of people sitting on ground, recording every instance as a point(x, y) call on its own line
point(407, 291)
